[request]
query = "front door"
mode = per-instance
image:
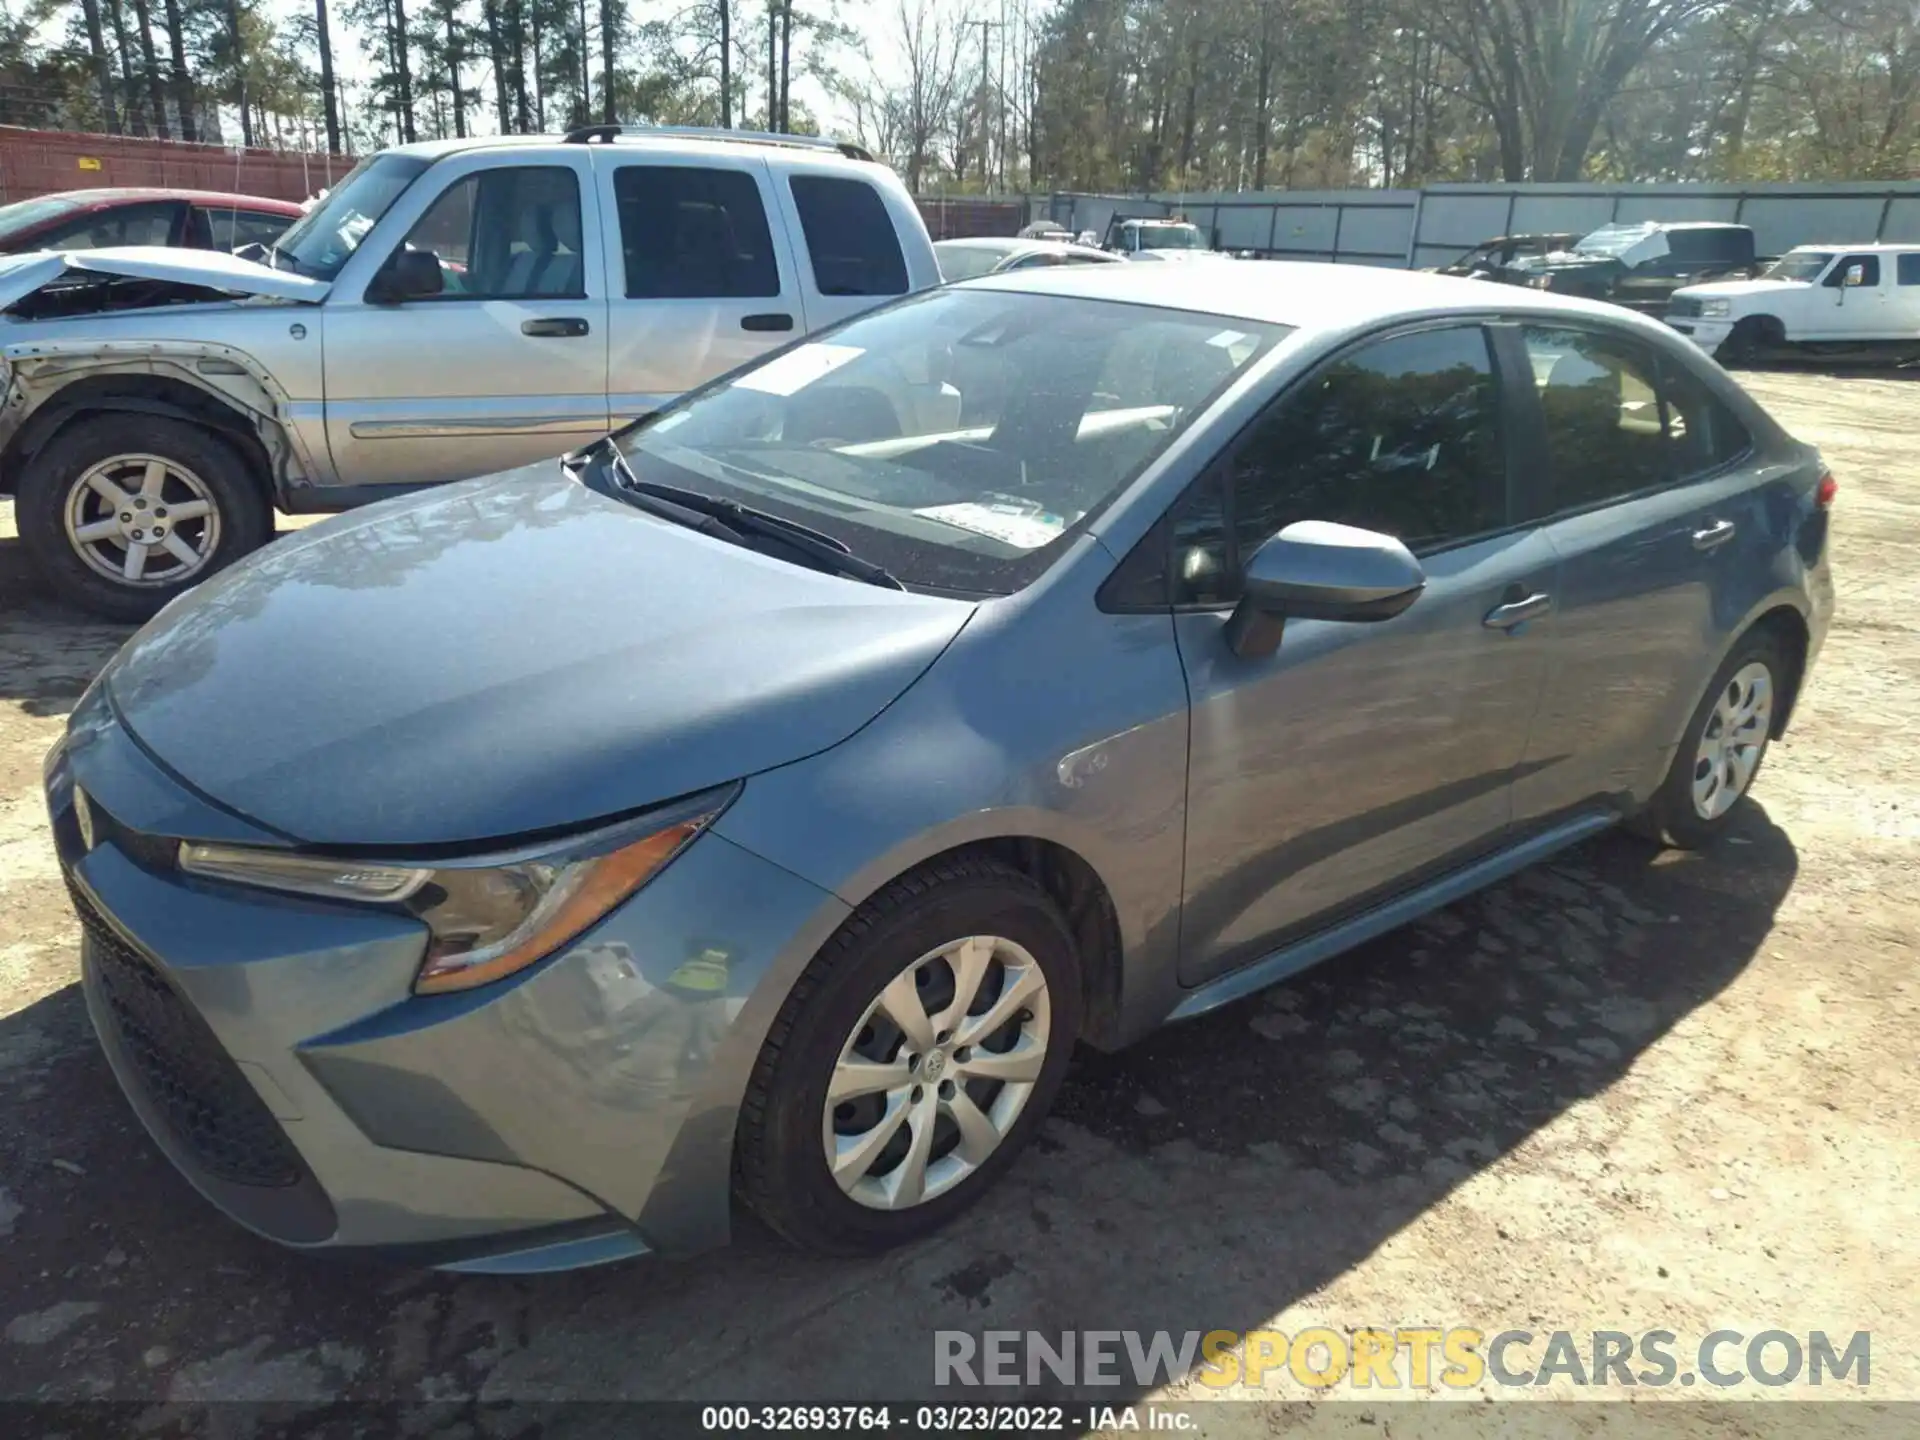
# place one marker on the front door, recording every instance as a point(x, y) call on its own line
point(1358, 759)
point(1856, 294)
point(508, 364)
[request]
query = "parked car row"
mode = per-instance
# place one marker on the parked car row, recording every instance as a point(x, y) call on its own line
point(447, 309)
point(1707, 282)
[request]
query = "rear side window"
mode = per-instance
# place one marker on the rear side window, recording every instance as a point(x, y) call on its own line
point(126, 225)
point(1908, 269)
point(850, 237)
point(688, 233)
point(1707, 244)
point(1618, 421)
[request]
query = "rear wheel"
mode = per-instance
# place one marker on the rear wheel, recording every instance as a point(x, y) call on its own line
point(121, 512)
point(912, 1061)
point(1722, 749)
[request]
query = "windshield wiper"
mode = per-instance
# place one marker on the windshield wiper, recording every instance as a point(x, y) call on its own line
point(730, 520)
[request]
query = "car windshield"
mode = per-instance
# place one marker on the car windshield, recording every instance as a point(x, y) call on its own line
point(25, 214)
point(1806, 265)
point(322, 240)
point(961, 438)
point(1170, 237)
point(963, 262)
point(1613, 241)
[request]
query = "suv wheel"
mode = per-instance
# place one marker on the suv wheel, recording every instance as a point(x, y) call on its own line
point(122, 512)
point(1723, 747)
point(1750, 336)
point(912, 1061)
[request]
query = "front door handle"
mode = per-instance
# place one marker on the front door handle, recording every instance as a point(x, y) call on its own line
point(1510, 613)
point(558, 325)
point(776, 320)
point(1714, 536)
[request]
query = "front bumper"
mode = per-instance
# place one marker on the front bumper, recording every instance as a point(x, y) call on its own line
point(1707, 334)
point(575, 1113)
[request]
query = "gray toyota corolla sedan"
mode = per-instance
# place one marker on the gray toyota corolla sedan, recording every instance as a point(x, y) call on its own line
point(764, 801)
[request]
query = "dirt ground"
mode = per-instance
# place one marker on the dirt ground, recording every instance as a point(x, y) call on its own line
point(1628, 1090)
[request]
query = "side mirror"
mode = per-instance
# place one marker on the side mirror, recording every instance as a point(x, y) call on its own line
point(1317, 570)
point(407, 275)
point(1856, 275)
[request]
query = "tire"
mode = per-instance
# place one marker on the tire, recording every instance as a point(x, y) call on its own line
point(1751, 335)
point(837, 1010)
point(63, 498)
point(1675, 815)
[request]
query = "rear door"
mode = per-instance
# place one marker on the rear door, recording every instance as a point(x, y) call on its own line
point(1357, 760)
point(508, 364)
point(1651, 518)
point(698, 281)
point(1903, 304)
point(846, 239)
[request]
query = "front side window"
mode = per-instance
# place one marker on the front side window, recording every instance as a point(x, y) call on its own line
point(1401, 436)
point(227, 229)
point(324, 239)
point(508, 234)
point(688, 233)
point(1869, 267)
point(850, 237)
point(960, 438)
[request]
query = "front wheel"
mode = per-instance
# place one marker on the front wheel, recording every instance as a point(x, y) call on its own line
point(1722, 749)
point(912, 1061)
point(121, 512)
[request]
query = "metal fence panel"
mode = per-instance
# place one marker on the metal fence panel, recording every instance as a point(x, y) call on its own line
point(1903, 219)
point(1305, 230)
point(1576, 214)
point(1376, 233)
point(1459, 222)
point(1678, 207)
point(1781, 223)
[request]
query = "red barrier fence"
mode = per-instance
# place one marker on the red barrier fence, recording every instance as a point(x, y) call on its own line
point(34, 162)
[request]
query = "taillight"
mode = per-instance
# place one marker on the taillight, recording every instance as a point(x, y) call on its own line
point(1824, 492)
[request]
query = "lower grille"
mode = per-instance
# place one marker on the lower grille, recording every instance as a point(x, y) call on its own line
point(207, 1104)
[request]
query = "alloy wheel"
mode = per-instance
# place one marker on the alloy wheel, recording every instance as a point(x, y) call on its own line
point(142, 520)
point(1733, 740)
point(936, 1072)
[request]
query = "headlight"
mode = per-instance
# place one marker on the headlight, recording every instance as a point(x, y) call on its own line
point(491, 915)
point(1717, 309)
point(1541, 282)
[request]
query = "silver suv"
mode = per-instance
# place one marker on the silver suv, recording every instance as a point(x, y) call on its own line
point(449, 309)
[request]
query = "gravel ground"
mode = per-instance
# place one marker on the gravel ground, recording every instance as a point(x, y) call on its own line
point(1627, 1090)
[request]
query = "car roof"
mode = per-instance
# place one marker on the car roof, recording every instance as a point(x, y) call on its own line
point(1863, 247)
point(1019, 244)
point(668, 139)
point(110, 195)
point(1305, 294)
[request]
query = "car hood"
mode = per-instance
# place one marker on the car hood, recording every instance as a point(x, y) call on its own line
point(503, 656)
point(1733, 289)
point(21, 275)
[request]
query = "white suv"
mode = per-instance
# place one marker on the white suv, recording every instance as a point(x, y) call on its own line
point(449, 309)
point(1861, 299)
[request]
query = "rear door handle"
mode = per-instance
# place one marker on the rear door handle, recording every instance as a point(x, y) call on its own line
point(776, 320)
point(558, 325)
point(1517, 612)
point(1714, 536)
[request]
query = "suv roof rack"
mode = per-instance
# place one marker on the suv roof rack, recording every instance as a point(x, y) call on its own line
point(588, 134)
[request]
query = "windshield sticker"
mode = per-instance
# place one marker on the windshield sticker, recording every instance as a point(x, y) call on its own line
point(1024, 527)
point(797, 369)
point(1227, 339)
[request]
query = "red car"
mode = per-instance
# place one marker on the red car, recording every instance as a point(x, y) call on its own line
point(95, 219)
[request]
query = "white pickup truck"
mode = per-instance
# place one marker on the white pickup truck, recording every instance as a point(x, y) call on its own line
point(1825, 299)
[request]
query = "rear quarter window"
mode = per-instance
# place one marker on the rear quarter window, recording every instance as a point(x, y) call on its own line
point(849, 236)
